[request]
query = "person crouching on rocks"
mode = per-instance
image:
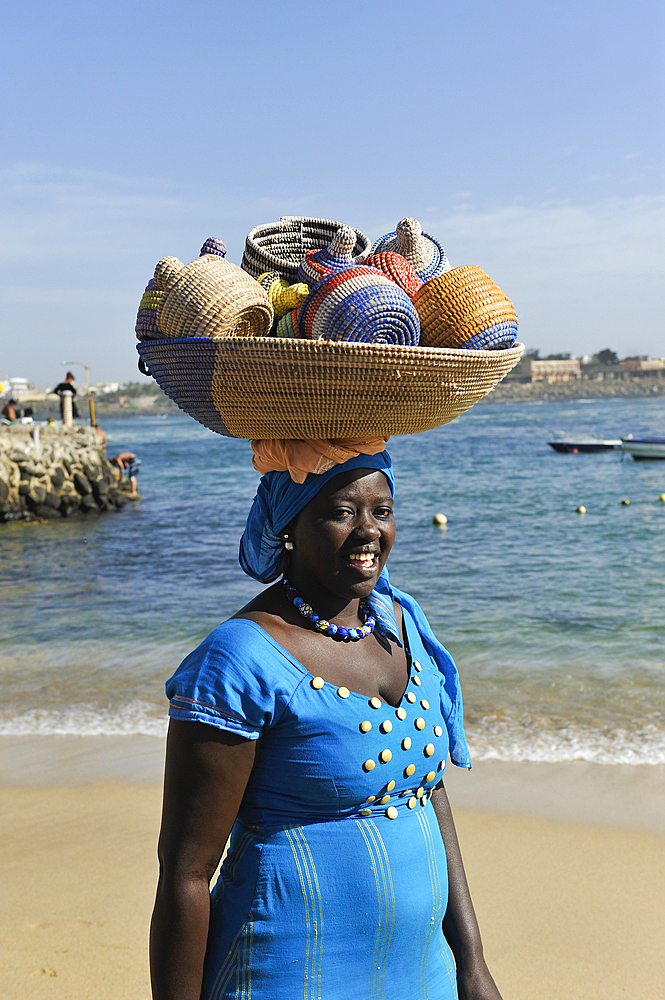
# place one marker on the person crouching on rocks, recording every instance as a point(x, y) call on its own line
point(127, 462)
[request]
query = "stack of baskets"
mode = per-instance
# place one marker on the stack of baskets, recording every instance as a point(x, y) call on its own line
point(319, 335)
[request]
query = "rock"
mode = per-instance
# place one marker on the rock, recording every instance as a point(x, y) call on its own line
point(36, 493)
point(45, 511)
point(4, 491)
point(82, 484)
point(57, 479)
point(88, 503)
point(53, 500)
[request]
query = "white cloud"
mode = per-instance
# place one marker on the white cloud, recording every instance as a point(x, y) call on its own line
point(77, 247)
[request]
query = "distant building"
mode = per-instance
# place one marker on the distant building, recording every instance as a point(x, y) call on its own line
point(642, 364)
point(532, 370)
point(19, 387)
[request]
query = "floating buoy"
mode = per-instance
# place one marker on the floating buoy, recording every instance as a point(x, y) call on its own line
point(440, 520)
point(662, 497)
point(581, 509)
point(625, 503)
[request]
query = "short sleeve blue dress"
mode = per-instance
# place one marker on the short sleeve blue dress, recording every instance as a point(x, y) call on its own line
point(335, 883)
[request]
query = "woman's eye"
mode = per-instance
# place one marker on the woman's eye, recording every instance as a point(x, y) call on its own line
point(383, 512)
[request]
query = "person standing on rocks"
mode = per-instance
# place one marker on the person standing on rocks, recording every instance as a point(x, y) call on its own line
point(67, 387)
point(127, 462)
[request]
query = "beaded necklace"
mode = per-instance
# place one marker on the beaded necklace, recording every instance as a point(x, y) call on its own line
point(329, 628)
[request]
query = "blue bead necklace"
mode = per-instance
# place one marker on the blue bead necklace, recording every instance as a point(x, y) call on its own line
point(329, 628)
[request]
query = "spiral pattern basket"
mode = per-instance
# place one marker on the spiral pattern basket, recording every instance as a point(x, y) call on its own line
point(360, 304)
point(319, 264)
point(398, 269)
point(288, 325)
point(210, 298)
point(266, 387)
point(214, 246)
point(464, 308)
point(422, 251)
point(280, 246)
point(146, 318)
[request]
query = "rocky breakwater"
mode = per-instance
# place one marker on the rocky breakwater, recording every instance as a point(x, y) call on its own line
point(53, 472)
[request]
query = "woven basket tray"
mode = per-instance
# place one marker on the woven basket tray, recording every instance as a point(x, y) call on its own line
point(280, 246)
point(268, 387)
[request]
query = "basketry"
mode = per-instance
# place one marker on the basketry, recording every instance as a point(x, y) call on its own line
point(398, 269)
point(360, 304)
point(288, 325)
point(319, 264)
point(283, 296)
point(146, 318)
point(210, 298)
point(280, 246)
point(214, 246)
point(465, 308)
point(266, 387)
point(423, 252)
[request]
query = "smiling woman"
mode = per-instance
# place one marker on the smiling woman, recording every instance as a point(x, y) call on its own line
point(313, 727)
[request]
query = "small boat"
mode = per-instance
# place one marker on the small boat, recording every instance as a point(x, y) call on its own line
point(643, 447)
point(584, 444)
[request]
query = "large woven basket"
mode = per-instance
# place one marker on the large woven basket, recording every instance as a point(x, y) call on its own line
point(280, 246)
point(268, 387)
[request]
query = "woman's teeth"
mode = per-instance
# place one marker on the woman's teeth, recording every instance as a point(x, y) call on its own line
point(364, 559)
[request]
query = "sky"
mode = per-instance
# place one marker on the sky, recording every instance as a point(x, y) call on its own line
point(527, 138)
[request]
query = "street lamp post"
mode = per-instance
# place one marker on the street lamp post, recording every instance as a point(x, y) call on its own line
point(91, 401)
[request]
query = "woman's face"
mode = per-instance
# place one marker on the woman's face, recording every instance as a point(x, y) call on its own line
point(343, 537)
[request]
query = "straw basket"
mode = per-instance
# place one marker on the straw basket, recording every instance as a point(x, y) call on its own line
point(423, 252)
point(465, 308)
point(280, 246)
point(398, 269)
point(146, 318)
point(211, 298)
point(359, 304)
point(268, 387)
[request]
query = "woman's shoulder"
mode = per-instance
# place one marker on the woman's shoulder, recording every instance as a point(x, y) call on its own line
point(241, 647)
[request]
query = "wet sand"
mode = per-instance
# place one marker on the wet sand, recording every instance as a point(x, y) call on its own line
point(566, 865)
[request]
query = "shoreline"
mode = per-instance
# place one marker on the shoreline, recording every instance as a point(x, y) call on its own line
point(623, 796)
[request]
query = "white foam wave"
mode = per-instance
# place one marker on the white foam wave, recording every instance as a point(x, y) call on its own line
point(135, 719)
point(508, 742)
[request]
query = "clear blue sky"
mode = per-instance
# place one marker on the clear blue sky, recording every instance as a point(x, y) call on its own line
point(528, 137)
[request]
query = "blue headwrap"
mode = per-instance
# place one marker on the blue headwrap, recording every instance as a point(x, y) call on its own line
point(278, 500)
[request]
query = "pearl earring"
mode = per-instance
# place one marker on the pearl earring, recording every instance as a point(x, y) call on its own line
point(287, 544)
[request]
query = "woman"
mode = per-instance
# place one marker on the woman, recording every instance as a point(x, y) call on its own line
point(317, 739)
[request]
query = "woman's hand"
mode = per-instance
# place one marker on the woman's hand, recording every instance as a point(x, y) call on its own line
point(206, 774)
point(460, 926)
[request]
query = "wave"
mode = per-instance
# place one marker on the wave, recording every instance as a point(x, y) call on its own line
point(512, 742)
point(488, 739)
point(135, 719)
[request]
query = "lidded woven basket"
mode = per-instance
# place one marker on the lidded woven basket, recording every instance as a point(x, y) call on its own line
point(318, 264)
point(423, 252)
point(210, 297)
point(146, 318)
point(465, 308)
point(280, 246)
point(359, 304)
point(283, 296)
point(398, 269)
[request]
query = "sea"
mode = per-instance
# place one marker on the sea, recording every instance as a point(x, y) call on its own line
point(556, 619)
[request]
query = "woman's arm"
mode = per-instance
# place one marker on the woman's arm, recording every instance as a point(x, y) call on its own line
point(206, 774)
point(460, 926)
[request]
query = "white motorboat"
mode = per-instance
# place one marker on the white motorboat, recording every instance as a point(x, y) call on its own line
point(643, 447)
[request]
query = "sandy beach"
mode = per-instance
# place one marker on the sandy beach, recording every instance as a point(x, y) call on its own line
point(568, 908)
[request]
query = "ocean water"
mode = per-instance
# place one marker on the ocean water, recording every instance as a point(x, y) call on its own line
point(556, 620)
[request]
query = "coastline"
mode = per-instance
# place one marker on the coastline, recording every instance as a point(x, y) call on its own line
point(568, 906)
point(511, 390)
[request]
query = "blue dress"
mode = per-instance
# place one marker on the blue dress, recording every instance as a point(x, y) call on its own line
point(335, 884)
